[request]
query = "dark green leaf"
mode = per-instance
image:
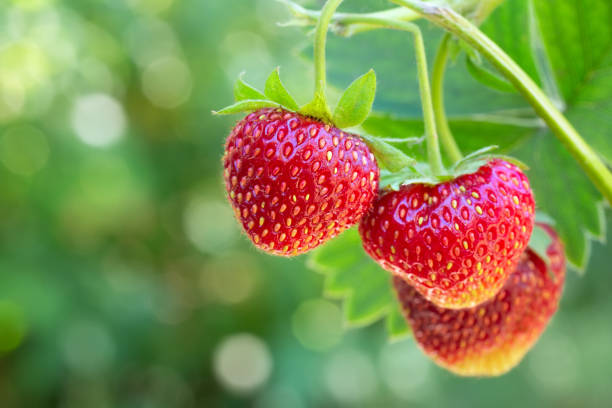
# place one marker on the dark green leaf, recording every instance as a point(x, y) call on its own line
point(397, 327)
point(276, 91)
point(539, 242)
point(352, 275)
point(356, 102)
point(581, 59)
point(471, 134)
point(564, 192)
point(244, 91)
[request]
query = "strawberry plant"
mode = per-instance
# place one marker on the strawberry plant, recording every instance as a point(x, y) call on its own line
point(447, 182)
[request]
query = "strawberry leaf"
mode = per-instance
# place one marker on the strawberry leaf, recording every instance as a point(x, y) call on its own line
point(244, 91)
point(276, 91)
point(356, 102)
point(247, 105)
point(574, 66)
point(351, 275)
point(397, 327)
point(539, 242)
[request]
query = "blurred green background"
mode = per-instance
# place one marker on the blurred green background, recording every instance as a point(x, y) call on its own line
point(124, 279)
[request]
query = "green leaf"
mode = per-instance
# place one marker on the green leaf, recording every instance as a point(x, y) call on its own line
point(246, 106)
point(487, 77)
point(471, 134)
point(356, 102)
point(539, 242)
point(388, 155)
point(276, 91)
point(581, 59)
point(397, 326)
point(244, 91)
point(564, 192)
point(397, 88)
point(350, 274)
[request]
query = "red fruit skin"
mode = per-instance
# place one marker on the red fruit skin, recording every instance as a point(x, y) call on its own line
point(295, 182)
point(455, 242)
point(490, 339)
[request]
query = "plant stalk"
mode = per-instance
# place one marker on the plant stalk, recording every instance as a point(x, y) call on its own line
point(437, 89)
point(319, 107)
point(586, 157)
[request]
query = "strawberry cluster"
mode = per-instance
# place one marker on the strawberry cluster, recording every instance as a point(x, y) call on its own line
point(477, 297)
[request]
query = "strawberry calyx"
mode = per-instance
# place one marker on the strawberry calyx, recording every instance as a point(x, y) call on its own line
point(421, 172)
point(352, 109)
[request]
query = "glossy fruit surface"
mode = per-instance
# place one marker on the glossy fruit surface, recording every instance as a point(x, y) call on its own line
point(458, 241)
point(295, 182)
point(490, 339)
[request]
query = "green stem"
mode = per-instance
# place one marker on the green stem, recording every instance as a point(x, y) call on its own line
point(437, 89)
point(586, 157)
point(354, 23)
point(318, 107)
point(364, 23)
point(313, 16)
point(431, 135)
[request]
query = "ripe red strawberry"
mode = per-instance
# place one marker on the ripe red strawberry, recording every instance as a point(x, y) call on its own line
point(295, 182)
point(458, 241)
point(493, 337)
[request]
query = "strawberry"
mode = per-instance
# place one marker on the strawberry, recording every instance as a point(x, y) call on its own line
point(295, 182)
point(493, 337)
point(458, 241)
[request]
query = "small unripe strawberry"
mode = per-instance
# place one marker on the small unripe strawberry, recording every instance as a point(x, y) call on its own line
point(493, 337)
point(295, 182)
point(456, 242)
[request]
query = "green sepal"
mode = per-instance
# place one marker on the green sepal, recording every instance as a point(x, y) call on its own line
point(318, 109)
point(395, 180)
point(247, 105)
point(276, 91)
point(244, 91)
point(397, 326)
point(387, 155)
point(355, 104)
point(539, 242)
point(487, 77)
point(472, 162)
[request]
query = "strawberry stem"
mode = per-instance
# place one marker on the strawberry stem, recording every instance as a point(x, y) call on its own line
point(431, 135)
point(437, 89)
point(319, 107)
point(355, 23)
point(584, 155)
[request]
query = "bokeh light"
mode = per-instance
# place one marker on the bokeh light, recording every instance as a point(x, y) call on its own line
point(240, 269)
point(88, 347)
point(167, 82)
point(406, 371)
point(350, 376)
point(317, 324)
point(242, 363)
point(209, 224)
point(98, 119)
